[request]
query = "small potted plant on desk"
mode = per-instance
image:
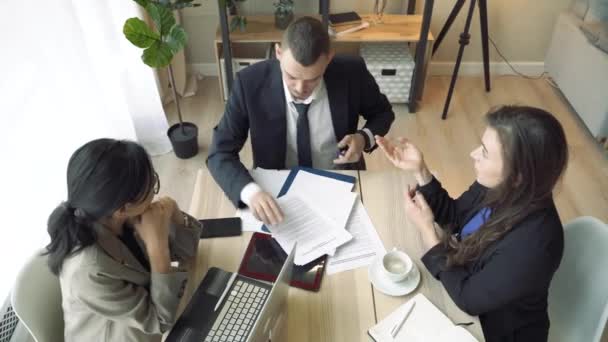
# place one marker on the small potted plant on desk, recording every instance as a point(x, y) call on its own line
point(283, 15)
point(160, 45)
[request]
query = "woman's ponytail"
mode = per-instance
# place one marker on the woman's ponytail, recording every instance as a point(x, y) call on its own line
point(70, 231)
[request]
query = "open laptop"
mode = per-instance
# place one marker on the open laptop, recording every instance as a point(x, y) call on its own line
point(229, 307)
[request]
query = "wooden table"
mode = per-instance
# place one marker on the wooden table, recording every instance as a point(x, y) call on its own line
point(382, 194)
point(342, 310)
point(347, 305)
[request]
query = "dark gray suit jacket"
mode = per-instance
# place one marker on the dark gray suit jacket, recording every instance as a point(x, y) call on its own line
point(257, 105)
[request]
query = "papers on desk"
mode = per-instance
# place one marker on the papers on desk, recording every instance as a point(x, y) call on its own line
point(362, 249)
point(322, 214)
point(315, 234)
point(270, 181)
point(331, 198)
point(425, 323)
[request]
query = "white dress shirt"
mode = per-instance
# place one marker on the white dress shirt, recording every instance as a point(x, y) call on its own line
point(324, 146)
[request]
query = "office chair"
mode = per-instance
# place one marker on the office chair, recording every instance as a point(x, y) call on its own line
point(578, 296)
point(36, 299)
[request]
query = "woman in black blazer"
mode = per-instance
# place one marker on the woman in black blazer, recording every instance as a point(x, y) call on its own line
point(504, 237)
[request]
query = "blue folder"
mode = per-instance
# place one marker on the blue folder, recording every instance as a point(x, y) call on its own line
point(293, 173)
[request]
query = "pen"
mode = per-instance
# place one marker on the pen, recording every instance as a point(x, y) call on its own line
point(398, 326)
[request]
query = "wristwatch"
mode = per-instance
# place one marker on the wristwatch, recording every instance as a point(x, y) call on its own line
point(368, 143)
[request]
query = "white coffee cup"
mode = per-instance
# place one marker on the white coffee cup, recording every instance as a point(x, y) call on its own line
point(396, 265)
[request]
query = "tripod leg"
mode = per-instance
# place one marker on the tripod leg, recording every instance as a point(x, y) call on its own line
point(464, 41)
point(448, 24)
point(483, 18)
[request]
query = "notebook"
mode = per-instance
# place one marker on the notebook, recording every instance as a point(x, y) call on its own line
point(425, 323)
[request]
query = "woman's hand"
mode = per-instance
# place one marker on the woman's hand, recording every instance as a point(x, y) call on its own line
point(177, 217)
point(153, 228)
point(153, 225)
point(420, 214)
point(403, 155)
point(406, 156)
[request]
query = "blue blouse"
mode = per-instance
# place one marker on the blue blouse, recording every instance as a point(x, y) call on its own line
point(475, 222)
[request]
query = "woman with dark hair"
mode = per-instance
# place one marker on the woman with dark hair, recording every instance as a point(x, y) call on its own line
point(112, 245)
point(504, 237)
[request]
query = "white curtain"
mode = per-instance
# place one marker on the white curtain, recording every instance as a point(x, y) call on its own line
point(67, 76)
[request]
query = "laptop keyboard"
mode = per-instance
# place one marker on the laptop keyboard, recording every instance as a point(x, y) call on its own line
point(238, 314)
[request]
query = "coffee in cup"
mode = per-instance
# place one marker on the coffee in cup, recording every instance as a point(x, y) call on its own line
point(396, 265)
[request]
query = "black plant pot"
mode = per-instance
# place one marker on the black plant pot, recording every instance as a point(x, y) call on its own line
point(184, 142)
point(282, 21)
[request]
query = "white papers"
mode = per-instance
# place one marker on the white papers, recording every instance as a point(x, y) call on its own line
point(270, 181)
point(327, 215)
point(332, 198)
point(315, 234)
point(425, 323)
point(362, 249)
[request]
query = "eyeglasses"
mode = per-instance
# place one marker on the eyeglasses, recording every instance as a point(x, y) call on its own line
point(156, 188)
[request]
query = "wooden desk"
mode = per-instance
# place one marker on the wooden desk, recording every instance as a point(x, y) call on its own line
point(342, 310)
point(347, 305)
point(382, 194)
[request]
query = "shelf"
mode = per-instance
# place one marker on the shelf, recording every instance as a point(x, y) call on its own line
point(395, 28)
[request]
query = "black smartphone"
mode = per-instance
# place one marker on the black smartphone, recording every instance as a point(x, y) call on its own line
point(221, 227)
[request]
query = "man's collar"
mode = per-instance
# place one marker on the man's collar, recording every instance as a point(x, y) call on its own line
point(314, 96)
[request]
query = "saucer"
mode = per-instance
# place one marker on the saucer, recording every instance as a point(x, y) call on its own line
point(391, 288)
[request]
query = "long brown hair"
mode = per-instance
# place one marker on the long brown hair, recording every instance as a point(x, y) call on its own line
point(535, 155)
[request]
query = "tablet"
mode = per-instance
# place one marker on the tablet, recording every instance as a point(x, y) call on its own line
point(264, 258)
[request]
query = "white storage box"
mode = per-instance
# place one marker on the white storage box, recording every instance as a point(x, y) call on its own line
point(240, 63)
point(392, 66)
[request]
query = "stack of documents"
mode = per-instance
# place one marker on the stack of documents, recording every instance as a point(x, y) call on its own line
point(322, 215)
point(362, 249)
point(316, 206)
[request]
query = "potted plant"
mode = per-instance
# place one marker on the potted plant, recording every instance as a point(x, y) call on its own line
point(161, 43)
point(283, 15)
point(237, 20)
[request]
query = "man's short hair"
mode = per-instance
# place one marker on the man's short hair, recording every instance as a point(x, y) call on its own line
point(307, 39)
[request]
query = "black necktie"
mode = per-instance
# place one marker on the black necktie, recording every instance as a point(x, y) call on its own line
point(303, 131)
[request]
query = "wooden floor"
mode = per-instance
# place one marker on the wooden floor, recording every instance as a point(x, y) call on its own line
point(445, 144)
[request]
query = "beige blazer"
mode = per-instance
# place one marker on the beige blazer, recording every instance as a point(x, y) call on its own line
point(109, 296)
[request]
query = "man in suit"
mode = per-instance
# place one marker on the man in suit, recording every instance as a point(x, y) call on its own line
point(301, 109)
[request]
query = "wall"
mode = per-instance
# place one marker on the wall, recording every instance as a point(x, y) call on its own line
point(522, 29)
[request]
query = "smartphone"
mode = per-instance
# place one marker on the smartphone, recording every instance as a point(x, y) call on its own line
point(221, 227)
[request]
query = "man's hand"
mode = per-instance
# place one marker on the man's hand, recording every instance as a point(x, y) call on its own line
point(265, 208)
point(356, 144)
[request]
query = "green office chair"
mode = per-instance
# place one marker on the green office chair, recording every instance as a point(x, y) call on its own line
point(36, 299)
point(578, 297)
